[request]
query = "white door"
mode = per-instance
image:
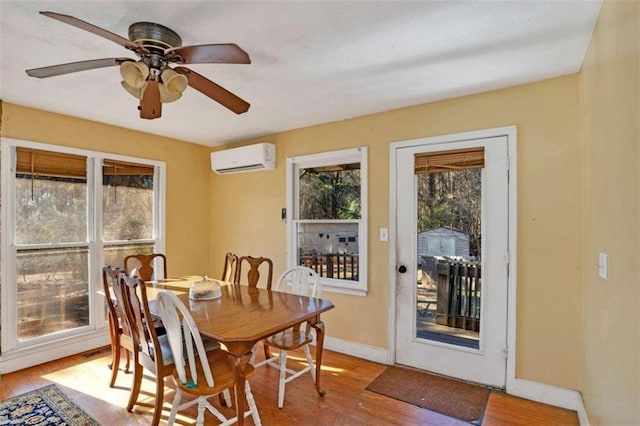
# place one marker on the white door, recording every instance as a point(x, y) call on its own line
point(451, 311)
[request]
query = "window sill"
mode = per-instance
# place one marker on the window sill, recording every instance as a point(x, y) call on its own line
point(336, 288)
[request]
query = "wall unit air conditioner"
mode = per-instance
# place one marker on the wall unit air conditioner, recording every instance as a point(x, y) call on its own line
point(261, 156)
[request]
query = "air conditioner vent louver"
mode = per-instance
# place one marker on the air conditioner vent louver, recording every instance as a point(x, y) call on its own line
point(248, 158)
point(238, 169)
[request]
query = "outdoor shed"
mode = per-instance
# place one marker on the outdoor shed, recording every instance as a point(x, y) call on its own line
point(443, 241)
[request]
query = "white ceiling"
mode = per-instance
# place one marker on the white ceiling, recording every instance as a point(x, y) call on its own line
point(312, 62)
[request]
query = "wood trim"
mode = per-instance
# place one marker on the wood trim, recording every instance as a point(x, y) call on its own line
point(450, 160)
point(38, 162)
point(122, 168)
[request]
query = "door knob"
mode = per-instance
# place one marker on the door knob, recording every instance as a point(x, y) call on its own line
point(402, 269)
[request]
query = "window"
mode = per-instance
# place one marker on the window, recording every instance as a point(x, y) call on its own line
point(328, 219)
point(67, 213)
point(128, 206)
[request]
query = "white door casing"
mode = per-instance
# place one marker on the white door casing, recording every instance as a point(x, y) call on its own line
point(487, 364)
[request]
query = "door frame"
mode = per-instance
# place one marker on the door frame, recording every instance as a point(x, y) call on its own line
point(511, 133)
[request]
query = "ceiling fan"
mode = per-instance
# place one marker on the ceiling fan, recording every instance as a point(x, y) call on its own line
point(151, 78)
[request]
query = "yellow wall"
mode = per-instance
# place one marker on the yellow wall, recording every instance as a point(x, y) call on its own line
point(578, 195)
point(610, 82)
point(187, 173)
point(246, 214)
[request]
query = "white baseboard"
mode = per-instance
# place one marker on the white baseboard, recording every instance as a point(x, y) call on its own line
point(534, 391)
point(549, 394)
point(35, 355)
point(358, 350)
point(582, 412)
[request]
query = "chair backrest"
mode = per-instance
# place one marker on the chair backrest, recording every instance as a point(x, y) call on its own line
point(183, 334)
point(300, 280)
point(230, 265)
point(144, 265)
point(253, 273)
point(141, 318)
point(109, 275)
point(115, 298)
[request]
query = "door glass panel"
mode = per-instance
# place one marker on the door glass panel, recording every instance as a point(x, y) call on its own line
point(52, 293)
point(448, 296)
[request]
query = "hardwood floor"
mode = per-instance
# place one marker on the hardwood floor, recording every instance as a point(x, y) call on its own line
point(85, 378)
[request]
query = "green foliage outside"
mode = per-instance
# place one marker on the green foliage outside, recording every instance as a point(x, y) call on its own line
point(330, 194)
point(451, 199)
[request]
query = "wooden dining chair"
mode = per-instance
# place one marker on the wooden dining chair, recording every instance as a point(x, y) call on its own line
point(230, 265)
point(152, 350)
point(301, 281)
point(147, 340)
point(143, 265)
point(254, 265)
point(201, 373)
point(119, 331)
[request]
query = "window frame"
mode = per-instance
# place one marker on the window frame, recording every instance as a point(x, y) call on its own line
point(94, 242)
point(294, 164)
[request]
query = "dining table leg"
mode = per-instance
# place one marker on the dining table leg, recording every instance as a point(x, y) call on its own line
point(241, 353)
point(319, 327)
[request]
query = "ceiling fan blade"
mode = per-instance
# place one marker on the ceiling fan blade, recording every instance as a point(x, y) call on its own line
point(214, 91)
point(228, 53)
point(54, 70)
point(67, 19)
point(150, 103)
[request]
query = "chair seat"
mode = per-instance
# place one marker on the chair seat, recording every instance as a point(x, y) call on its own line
point(167, 356)
point(157, 324)
point(221, 369)
point(289, 339)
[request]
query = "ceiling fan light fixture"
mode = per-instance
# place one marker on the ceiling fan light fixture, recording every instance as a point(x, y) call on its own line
point(136, 92)
point(173, 84)
point(135, 74)
point(150, 78)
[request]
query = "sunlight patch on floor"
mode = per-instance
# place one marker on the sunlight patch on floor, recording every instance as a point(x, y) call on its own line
point(303, 362)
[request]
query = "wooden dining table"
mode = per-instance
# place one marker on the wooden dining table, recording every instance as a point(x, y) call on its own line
point(244, 316)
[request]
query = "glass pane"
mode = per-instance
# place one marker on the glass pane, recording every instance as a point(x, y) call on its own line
point(331, 249)
point(330, 192)
point(50, 209)
point(127, 201)
point(52, 291)
point(114, 255)
point(449, 269)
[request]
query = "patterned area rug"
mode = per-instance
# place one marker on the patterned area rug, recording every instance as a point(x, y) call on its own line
point(44, 406)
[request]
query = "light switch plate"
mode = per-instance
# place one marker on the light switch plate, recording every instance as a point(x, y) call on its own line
point(384, 234)
point(603, 266)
